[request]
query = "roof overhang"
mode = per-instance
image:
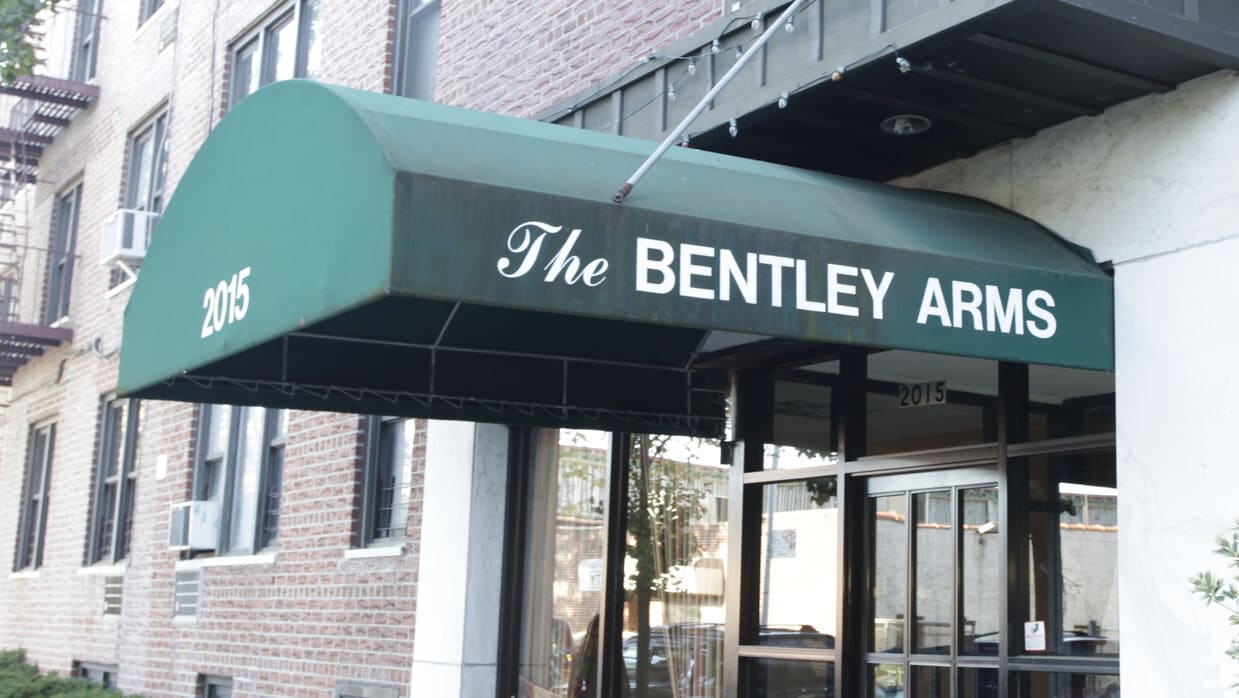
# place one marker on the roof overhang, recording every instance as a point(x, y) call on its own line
point(984, 72)
point(340, 250)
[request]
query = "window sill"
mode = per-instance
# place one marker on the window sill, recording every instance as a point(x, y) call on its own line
point(116, 570)
point(226, 561)
point(64, 323)
point(377, 551)
point(24, 574)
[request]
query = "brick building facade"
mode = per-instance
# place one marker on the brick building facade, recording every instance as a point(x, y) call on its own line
point(302, 616)
point(1108, 124)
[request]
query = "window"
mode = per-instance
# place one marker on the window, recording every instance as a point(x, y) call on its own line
point(61, 254)
point(8, 299)
point(417, 50)
point(667, 630)
point(240, 464)
point(86, 42)
point(354, 689)
point(115, 477)
point(149, 7)
point(981, 557)
point(216, 687)
point(145, 172)
point(147, 166)
point(1070, 526)
point(99, 674)
point(34, 497)
point(392, 453)
point(286, 46)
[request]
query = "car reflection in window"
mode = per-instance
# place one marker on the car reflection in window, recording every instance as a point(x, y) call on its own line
point(779, 678)
point(686, 661)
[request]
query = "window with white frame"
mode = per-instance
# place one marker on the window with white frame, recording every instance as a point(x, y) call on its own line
point(240, 465)
point(145, 172)
point(417, 38)
point(147, 167)
point(61, 254)
point(33, 518)
point(86, 40)
point(390, 459)
point(287, 45)
point(115, 479)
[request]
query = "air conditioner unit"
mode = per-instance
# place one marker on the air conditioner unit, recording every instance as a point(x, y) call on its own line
point(193, 526)
point(126, 235)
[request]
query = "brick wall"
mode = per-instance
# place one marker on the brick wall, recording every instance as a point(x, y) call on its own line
point(521, 58)
point(313, 616)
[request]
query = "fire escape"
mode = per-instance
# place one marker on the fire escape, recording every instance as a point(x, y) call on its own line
point(38, 108)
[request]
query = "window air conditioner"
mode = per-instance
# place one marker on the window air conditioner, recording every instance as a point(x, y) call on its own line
point(193, 526)
point(126, 235)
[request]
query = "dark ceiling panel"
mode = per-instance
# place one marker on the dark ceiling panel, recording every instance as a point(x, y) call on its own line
point(984, 73)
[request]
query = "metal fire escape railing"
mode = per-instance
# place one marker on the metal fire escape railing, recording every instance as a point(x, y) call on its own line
point(39, 107)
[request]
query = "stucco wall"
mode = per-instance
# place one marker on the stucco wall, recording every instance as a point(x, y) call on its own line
point(1153, 185)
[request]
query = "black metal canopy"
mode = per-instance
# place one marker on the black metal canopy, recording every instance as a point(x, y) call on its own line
point(982, 71)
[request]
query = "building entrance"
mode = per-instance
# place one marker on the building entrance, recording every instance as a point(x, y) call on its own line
point(933, 562)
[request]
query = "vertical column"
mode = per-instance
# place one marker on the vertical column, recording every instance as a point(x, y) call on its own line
point(460, 576)
point(851, 428)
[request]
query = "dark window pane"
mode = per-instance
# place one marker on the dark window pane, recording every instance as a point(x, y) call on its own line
point(113, 437)
point(775, 678)
point(1069, 402)
point(61, 256)
point(273, 491)
point(919, 401)
point(394, 474)
point(1063, 685)
point(107, 520)
point(978, 683)
point(213, 479)
point(126, 521)
point(931, 682)
point(802, 422)
point(87, 40)
point(34, 502)
point(420, 49)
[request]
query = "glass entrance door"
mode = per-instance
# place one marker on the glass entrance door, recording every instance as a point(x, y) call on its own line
point(932, 584)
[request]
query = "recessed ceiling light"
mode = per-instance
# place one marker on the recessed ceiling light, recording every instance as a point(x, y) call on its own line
point(905, 124)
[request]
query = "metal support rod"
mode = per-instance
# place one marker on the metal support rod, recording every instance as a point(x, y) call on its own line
point(674, 136)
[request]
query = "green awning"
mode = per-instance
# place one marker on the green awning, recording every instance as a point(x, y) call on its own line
point(342, 250)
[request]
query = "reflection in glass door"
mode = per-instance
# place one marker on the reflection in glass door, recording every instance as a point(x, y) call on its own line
point(933, 564)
